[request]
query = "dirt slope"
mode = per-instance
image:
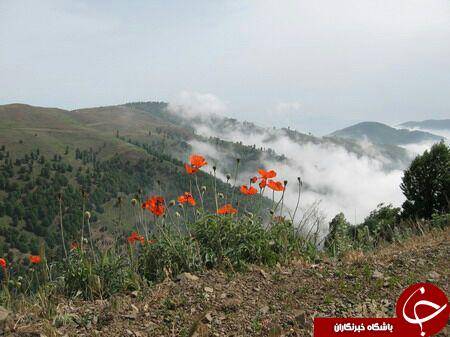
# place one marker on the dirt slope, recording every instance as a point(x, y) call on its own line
point(278, 302)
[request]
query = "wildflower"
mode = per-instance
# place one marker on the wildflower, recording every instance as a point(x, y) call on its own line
point(248, 190)
point(190, 169)
point(3, 263)
point(197, 161)
point(35, 259)
point(156, 205)
point(267, 174)
point(227, 209)
point(262, 183)
point(74, 245)
point(253, 180)
point(135, 237)
point(186, 198)
point(275, 185)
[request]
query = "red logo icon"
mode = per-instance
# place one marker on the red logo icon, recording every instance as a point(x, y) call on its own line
point(423, 305)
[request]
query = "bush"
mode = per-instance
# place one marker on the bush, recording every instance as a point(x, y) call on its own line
point(97, 276)
point(171, 254)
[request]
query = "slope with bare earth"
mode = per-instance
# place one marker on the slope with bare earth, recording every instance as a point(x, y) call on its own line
point(278, 302)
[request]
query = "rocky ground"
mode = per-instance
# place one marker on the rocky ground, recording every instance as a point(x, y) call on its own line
point(261, 302)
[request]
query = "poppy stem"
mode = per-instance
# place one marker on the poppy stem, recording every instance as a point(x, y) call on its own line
point(215, 191)
point(61, 225)
point(235, 179)
point(199, 193)
point(82, 226)
point(90, 238)
point(300, 184)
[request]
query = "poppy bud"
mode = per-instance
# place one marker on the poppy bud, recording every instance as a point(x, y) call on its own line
point(178, 215)
point(133, 201)
point(203, 188)
point(220, 195)
point(140, 191)
point(214, 168)
point(285, 182)
point(87, 215)
point(198, 212)
point(180, 205)
point(158, 182)
point(59, 196)
point(272, 212)
point(238, 160)
point(228, 176)
point(171, 203)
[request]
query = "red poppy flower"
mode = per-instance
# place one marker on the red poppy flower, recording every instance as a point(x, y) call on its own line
point(35, 259)
point(267, 174)
point(227, 209)
point(135, 237)
point(156, 205)
point(275, 185)
point(248, 190)
point(197, 161)
point(190, 169)
point(186, 198)
point(3, 263)
point(253, 180)
point(73, 245)
point(262, 183)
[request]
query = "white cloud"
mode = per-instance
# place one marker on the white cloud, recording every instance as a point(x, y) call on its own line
point(197, 105)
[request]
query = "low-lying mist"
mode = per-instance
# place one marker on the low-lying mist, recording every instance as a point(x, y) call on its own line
point(336, 178)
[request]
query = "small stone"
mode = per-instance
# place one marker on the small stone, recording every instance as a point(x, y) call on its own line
point(4, 314)
point(377, 275)
point(434, 275)
point(187, 277)
point(209, 289)
point(264, 274)
point(300, 318)
point(208, 317)
point(264, 310)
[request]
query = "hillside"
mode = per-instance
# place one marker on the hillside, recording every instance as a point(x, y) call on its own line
point(429, 124)
point(277, 302)
point(380, 133)
point(115, 151)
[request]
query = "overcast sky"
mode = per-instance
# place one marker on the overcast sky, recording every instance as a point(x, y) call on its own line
point(314, 65)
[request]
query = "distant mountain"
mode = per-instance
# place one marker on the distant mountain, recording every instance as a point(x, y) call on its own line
point(380, 133)
point(429, 124)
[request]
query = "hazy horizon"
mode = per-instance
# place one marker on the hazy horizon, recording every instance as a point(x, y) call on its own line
point(314, 66)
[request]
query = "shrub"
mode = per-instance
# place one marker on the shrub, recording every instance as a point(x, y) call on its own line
point(171, 254)
point(96, 276)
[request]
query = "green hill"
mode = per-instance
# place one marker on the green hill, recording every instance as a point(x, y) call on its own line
point(429, 124)
point(380, 133)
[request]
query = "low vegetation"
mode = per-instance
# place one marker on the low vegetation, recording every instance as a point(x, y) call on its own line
point(210, 225)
